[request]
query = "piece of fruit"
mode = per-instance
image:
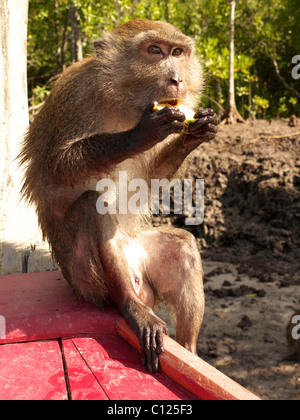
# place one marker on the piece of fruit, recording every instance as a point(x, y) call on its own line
point(189, 113)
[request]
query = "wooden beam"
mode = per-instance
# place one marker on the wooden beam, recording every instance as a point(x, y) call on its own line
point(191, 372)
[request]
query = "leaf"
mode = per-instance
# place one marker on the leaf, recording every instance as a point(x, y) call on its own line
point(219, 364)
point(220, 315)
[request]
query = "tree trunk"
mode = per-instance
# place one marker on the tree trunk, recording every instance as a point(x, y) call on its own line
point(231, 114)
point(167, 10)
point(64, 42)
point(250, 100)
point(18, 223)
point(58, 46)
point(78, 40)
point(243, 110)
point(76, 43)
point(73, 50)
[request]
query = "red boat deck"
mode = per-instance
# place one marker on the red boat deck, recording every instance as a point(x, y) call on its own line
point(54, 346)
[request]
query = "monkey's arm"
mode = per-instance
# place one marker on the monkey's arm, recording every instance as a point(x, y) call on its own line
point(168, 160)
point(97, 153)
point(79, 159)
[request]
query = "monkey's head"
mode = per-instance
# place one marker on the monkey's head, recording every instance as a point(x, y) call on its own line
point(149, 61)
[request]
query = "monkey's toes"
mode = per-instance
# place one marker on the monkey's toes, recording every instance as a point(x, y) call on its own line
point(151, 342)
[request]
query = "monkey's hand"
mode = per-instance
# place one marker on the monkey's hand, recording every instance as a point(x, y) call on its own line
point(154, 127)
point(149, 329)
point(203, 129)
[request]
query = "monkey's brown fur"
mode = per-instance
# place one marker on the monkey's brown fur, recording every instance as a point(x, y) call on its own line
point(93, 125)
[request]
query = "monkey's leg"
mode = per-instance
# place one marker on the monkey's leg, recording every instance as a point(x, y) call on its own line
point(90, 252)
point(173, 266)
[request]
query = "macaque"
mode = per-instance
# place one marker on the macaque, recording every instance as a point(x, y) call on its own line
point(293, 336)
point(98, 121)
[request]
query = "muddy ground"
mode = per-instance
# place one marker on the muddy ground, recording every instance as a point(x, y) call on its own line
point(250, 246)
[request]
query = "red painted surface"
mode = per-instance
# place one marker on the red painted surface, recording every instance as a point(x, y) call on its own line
point(32, 371)
point(98, 363)
point(39, 306)
point(59, 347)
point(82, 381)
point(117, 367)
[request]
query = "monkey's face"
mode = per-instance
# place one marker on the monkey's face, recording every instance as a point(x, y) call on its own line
point(151, 61)
point(170, 61)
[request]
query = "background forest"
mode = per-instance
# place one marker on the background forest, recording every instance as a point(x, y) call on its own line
point(266, 39)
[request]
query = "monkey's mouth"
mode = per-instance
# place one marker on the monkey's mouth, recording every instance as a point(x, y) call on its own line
point(170, 102)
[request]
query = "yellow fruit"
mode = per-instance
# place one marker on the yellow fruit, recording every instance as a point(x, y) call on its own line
point(189, 113)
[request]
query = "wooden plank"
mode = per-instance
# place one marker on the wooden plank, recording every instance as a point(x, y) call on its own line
point(118, 369)
point(32, 371)
point(41, 306)
point(82, 382)
point(191, 372)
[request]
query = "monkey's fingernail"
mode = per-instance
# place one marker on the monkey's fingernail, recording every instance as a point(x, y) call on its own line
point(156, 367)
point(160, 350)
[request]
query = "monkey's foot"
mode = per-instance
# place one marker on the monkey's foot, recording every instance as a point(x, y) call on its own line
point(149, 329)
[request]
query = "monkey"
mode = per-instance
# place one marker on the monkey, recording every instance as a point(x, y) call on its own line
point(97, 121)
point(292, 340)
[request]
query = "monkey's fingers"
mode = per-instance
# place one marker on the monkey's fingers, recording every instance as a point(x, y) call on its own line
point(159, 339)
point(203, 136)
point(153, 364)
point(210, 121)
point(148, 347)
point(204, 112)
point(151, 343)
point(172, 127)
point(201, 132)
point(208, 128)
point(143, 340)
point(170, 114)
point(158, 125)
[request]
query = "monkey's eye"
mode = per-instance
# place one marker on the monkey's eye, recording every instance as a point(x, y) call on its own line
point(177, 52)
point(154, 49)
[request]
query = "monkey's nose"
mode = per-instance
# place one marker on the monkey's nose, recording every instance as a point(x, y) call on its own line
point(176, 79)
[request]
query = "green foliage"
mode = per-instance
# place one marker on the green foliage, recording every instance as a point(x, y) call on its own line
point(242, 91)
point(40, 93)
point(261, 102)
point(293, 101)
point(283, 108)
point(260, 105)
point(265, 33)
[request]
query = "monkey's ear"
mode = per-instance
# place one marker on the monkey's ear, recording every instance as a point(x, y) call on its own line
point(99, 46)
